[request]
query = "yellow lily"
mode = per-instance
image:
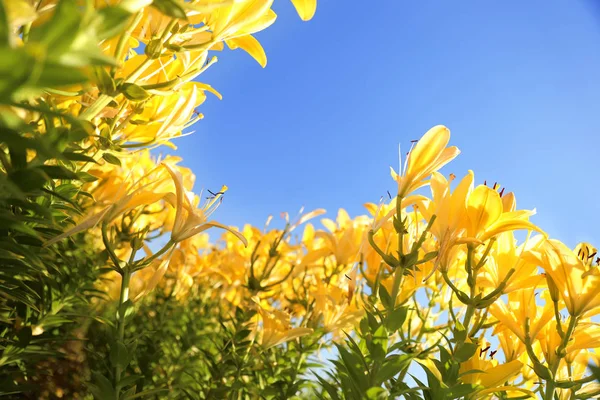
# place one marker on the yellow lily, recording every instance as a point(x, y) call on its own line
point(142, 194)
point(506, 256)
point(190, 220)
point(522, 309)
point(493, 376)
point(449, 209)
point(429, 154)
point(487, 218)
point(577, 285)
point(276, 327)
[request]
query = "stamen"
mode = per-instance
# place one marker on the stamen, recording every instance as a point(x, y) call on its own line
point(484, 350)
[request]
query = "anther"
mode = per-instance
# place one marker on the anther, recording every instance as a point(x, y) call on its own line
point(484, 350)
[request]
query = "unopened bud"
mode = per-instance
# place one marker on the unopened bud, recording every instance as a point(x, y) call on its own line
point(552, 288)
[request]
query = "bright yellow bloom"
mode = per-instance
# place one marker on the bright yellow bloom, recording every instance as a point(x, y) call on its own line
point(332, 311)
point(506, 257)
point(450, 211)
point(429, 154)
point(577, 284)
point(276, 327)
point(493, 376)
point(487, 218)
point(522, 309)
point(190, 220)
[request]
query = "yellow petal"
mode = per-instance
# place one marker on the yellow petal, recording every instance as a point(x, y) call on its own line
point(484, 207)
point(160, 270)
point(484, 393)
point(252, 46)
point(306, 8)
point(84, 225)
point(237, 234)
point(496, 376)
point(428, 149)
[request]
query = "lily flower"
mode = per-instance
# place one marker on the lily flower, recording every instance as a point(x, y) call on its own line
point(520, 310)
point(429, 155)
point(577, 285)
point(276, 327)
point(490, 376)
point(190, 220)
point(487, 217)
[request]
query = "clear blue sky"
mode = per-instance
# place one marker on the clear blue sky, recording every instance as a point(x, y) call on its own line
point(517, 83)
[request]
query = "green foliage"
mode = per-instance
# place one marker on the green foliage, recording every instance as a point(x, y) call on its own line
point(198, 350)
point(369, 368)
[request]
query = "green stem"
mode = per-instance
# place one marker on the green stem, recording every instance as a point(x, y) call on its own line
point(110, 250)
point(398, 275)
point(558, 321)
point(92, 111)
point(159, 253)
point(123, 40)
point(560, 353)
point(399, 217)
point(123, 297)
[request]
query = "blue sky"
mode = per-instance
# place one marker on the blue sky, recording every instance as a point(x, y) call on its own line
point(517, 83)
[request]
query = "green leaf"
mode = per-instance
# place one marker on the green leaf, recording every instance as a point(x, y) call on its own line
point(126, 309)
point(134, 92)
point(385, 297)
point(119, 355)
point(428, 257)
point(86, 177)
point(4, 28)
point(465, 351)
point(15, 69)
point(112, 159)
point(103, 389)
point(377, 393)
point(112, 21)
point(354, 367)
point(106, 84)
point(172, 8)
point(59, 33)
point(379, 344)
point(58, 172)
point(72, 156)
point(458, 391)
point(24, 336)
point(28, 179)
point(18, 157)
point(392, 366)
point(396, 318)
point(57, 75)
point(145, 393)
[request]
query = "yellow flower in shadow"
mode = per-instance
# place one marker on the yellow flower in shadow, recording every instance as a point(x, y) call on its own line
point(276, 327)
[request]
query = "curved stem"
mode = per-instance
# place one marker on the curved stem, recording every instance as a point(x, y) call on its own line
point(123, 297)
